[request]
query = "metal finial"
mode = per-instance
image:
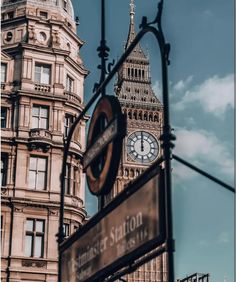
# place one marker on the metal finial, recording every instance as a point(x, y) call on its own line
point(132, 7)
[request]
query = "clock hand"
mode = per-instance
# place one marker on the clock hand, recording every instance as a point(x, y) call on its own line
point(142, 148)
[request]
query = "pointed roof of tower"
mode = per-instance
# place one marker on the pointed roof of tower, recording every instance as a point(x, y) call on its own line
point(131, 34)
point(137, 51)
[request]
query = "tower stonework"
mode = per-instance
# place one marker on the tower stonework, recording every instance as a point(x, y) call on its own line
point(141, 146)
point(42, 78)
point(143, 111)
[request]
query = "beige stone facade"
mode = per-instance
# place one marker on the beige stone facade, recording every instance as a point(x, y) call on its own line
point(42, 78)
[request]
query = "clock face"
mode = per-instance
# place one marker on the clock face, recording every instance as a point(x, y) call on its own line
point(142, 147)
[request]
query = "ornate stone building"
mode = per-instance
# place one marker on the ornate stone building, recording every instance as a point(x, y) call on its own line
point(42, 77)
point(141, 146)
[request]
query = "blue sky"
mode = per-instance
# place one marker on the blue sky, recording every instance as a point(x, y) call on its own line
point(201, 88)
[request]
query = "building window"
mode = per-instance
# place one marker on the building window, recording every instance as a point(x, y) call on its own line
point(71, 177)
point(4, 163)
point(1, 225)
point(40, 117)
point(42, 73)
point(69, 119)
point(3, 72)
point(75, 177)
point(69, 84)
point(66, 229)
point(65, 5)
point(43, 15)
point(37, 173)
point(67, 179)
point(10, 15)
point(34, 241)
point(3, 117)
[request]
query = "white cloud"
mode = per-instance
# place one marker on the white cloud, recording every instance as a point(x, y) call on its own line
point(215, 95)
point(223, 237)
point(183, 84)
point(201, 148)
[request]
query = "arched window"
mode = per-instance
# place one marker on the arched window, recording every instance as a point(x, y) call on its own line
point(132, 72)
point(145, 116)
point(136, 73)
point(150, 117)
point(128, 71)
point(156, 118)
point(130, 115)
point(135, 115)
point(142, 73)
point(132, 173)
point(140, 116)
point(139, 73)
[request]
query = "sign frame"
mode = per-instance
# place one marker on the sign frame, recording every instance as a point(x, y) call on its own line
point(108, 107)
point(126, 259)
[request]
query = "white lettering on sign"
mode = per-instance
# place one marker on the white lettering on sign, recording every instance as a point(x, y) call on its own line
point(103, 140)
point(117, 233)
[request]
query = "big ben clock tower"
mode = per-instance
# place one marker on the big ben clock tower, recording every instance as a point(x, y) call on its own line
point(144, 113)
point(141, 146)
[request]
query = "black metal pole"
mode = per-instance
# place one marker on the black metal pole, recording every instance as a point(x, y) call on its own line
point(167, 173)
point(103, 45)
point(103, 54)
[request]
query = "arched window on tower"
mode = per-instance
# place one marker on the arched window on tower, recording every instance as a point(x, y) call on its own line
point(150, 117)
point(140, 116)
point(142, 73)
point(128, 72)
point(132, 72)
point(135, 115)
point(130, 115)
point(136, 72)
point(139, 74)
point(156, 118)
point(145, 116)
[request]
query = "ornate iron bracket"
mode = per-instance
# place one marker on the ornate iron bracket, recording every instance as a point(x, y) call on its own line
point(144, 24)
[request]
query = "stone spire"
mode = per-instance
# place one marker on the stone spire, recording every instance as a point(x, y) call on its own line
point(134, 82)
point(131, 34)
